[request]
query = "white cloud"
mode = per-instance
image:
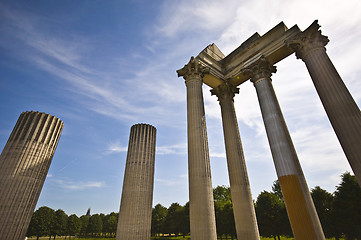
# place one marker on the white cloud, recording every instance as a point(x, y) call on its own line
point(115, 147)
point(217, 154)
point(172, 149)
point(71, 185)
point(190, 16)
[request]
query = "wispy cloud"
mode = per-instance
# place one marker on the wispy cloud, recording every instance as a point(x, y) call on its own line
point(71, 185)
point(115, 147)
point(106, 86)
point(179, 180)
point(172, 149)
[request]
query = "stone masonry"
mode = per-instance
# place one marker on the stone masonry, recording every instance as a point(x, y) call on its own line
point(135, 214)
point(24, 164)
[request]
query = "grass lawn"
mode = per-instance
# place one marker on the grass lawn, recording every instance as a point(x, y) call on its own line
point(155, 238)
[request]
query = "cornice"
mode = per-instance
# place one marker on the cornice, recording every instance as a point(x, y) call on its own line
point(307, 41)
point(193, 69)
point(260, 69)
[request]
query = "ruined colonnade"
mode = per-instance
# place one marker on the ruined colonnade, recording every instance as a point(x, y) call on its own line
point(255, 60)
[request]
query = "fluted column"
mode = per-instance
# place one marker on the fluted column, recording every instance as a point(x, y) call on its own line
point(135, 214)
point(24, 164)
point(243, 207)
point(341, 109)
point(201, 203)
point(300, 208)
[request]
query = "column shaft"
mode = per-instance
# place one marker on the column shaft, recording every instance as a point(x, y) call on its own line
point(201, 203)
point(135, 212)
point(24, 164)
point(300, 208)
point(341, 109)
point(243, 207)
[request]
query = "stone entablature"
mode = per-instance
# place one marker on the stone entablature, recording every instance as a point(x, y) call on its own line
point(271, 45)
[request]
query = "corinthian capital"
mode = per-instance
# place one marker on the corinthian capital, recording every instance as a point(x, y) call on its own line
point(225, 91)
point(308, 40)
point(260, 69)
point(193, 69)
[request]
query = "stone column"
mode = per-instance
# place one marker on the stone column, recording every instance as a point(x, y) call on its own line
point(135, 214)
point(24, 164)
point(300, 208)
point(201, 203)
point(243, 207)
point(341, 109)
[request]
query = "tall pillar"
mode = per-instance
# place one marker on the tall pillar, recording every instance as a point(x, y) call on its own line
point(135, 214)
point(24, 164)
point(201, 203)
point(341, 109)
point(300, 208)
point(243, 207)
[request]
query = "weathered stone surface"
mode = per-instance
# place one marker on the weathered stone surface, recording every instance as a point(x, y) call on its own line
point(243, 207)
point(201, 205)
point(135, 212)
point(24, 164)
point(341, 108)
point(300, 208)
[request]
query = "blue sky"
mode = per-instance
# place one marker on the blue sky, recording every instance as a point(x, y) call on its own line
point(102, 66)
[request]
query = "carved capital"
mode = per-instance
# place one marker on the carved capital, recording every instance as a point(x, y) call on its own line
point(307, 41)
point(225, 91)
point(193, 69)
point(260, 69)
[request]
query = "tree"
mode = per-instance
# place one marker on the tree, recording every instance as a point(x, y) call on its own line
point(41, 222)
point(269, 214)
point(95, 224)
point(84, 222)
point(323, 201)
point(159, 214)
point(224, 211)
point(184, 225)
point(276, 189)
point(222, 194)
point(347, 208)
point(285, 226)
point(58, 225)
point(225, 219)
point(110, 224)
point(73, 225)
point(173, 219)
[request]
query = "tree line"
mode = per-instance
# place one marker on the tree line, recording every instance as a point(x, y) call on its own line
point(339, 214)
point(48, 222)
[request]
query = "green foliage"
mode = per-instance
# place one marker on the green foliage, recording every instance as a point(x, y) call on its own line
point(73, 225)
point(224, 211)
point(276, 189)
point(323, 202)
point(222, 194)
point(173, 219)
point(269, 214)
point(58, 226)
point(159, 214)
point(110, 224)
point(339, 214)
point(84, 222)
point(41, 222)
point(347, 208)
point(95, 225)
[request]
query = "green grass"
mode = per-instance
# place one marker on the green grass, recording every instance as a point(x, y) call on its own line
point(156, 238)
